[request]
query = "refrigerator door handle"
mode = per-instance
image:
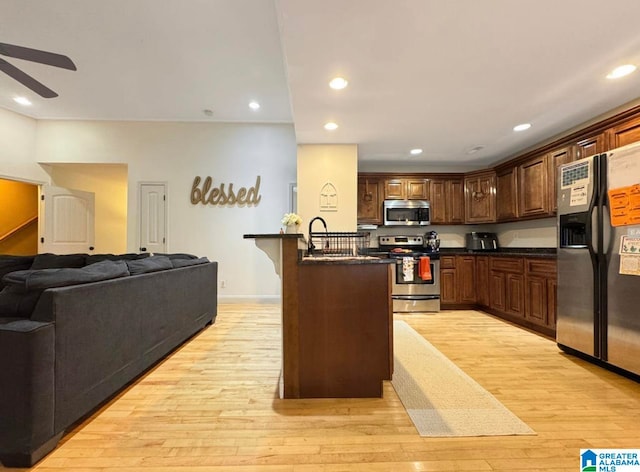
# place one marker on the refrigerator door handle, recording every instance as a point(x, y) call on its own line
point(606, 231)
point(592, 240)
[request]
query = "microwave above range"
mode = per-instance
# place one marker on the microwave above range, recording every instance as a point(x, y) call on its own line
point(406, 213)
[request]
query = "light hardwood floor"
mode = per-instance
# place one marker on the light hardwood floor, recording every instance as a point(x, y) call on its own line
point(213, 406)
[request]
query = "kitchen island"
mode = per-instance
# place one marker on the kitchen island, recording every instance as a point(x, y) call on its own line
point(337, 321)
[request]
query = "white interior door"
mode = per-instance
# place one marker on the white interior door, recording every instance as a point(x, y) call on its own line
point(69, 220)
point(153, 217)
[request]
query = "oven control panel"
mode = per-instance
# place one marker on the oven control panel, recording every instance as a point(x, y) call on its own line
point(401, 241)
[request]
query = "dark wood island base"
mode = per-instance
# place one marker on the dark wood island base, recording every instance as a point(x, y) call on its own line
point(337, 325)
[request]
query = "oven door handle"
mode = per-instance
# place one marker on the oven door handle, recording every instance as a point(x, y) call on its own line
point(416, 297)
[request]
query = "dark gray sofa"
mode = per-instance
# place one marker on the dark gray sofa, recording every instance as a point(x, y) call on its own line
point(83, 343)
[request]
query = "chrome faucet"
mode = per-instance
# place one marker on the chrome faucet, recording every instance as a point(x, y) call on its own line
point(311, 246)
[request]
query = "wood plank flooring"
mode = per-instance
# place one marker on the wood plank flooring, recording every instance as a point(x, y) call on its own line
point(213, 406)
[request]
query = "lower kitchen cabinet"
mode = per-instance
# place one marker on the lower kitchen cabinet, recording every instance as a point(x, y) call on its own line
point(519, 289)
point(482, 280)
point(540, 292)
point(457, 280)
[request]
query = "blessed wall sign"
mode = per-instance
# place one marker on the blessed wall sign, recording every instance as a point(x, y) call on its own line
point(209, 194)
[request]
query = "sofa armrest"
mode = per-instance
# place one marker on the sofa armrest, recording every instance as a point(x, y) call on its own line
point(26, 390)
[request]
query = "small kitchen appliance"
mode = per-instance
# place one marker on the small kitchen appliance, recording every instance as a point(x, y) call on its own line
point(415, 274)
point(476, 241)
point(431, 241)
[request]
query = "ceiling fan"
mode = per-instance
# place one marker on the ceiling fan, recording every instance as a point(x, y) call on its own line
point(33, 55)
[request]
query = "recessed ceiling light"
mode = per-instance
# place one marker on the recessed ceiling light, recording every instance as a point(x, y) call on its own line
point(330, 126)
point(621, 71)
point(522, 127)
point(338, 83)
point(22, 101)
point(415, 152)
point(254, 105)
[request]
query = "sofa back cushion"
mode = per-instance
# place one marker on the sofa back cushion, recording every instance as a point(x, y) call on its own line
point(149, 264)
point(23, 288)
point(188, 262)
point(58, 261)
point(93, 258)
point(13, 263)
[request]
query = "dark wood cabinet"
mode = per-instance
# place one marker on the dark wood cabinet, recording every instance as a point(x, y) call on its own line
point(466, 279)
point(506, 292)
point(533, 187)
point(482, 280)
point(519, 289)
point(369, 202)
point(625, 133)
point(447, 201)
point(457, 280)
point(448, 280)
point(540, 292)
point(506, 194)
point(480, 197)
point(554, 160)
point(406, 189)
point(515, 294)
point(589, 146)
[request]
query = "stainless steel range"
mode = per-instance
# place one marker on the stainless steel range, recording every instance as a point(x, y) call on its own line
point(416, 273)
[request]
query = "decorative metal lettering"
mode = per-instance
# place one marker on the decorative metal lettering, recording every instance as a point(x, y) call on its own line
point(209, 195)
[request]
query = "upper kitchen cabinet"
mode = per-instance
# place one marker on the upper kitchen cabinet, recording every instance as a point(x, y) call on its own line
point(406, 189)
point(625, 133)
point(533, 187)
point(555, 159)
point(369, 202)
point(506, 194)
point(589, 146)
point(447, 201)
point(480, 197)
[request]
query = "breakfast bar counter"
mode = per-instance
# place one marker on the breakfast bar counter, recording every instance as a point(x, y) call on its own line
point(337, 322)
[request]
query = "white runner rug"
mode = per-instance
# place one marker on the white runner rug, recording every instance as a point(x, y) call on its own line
point(440, 398)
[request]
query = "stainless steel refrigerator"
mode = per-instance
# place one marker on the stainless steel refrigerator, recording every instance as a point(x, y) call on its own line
point(598, 304)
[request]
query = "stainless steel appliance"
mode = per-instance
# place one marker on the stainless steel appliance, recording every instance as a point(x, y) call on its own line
point(431, 241)
point(598, 268)
point(412, 290)
point(406, 213)
point(476, 241)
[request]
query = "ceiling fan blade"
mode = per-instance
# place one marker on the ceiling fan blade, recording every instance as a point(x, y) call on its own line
point(26, 80)
point(36, 55)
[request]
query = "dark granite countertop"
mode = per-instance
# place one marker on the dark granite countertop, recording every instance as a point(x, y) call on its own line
point(315, 260)
point(547, 252)
point(273, 236)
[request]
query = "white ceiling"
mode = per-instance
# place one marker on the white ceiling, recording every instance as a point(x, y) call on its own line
point(444, 76)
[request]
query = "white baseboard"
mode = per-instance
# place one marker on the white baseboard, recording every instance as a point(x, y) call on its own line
point(249, 298)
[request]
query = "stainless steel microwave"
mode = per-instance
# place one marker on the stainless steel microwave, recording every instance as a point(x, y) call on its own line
point(406, 213)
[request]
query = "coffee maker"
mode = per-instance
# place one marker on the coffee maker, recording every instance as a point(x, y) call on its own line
point(431, 241)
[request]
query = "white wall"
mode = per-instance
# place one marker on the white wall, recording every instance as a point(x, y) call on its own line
point(177, 152)
point(319, 164)
point(18, 138)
